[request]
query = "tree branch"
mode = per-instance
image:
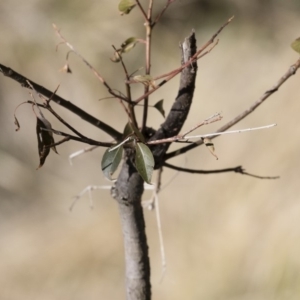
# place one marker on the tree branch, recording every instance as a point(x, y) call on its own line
point(158, 17)
point(181, 106)
point(60, 101)
point(238, 169)
point(148, 27)
point(197, 55)
point(291, 71)
point(128, 193)
point(84, 139)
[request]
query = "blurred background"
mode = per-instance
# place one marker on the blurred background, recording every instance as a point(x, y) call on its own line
point(226, 236)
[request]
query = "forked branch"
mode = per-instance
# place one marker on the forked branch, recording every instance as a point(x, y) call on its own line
point(291, 71)
point(60, 101)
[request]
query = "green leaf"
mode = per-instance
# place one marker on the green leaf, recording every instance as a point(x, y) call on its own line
point(159, 107)
point(125, 47)
point(125, 6)
point(110, 161)
point(128, 44)
point(296, 45)
point(130, 129)
point(144, 161)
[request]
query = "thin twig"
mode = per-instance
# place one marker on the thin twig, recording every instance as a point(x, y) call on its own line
point(88, 189)
point(129, 138)
point(82, 151)
point(260, 177)
point(61, 101)
point(291, 71)
point(184, 138)
point(160, 234)
point(141, 9)
point(151, 204)
point(158, 17)
point(189, 62)
point(212, 39)
point(79, 139)
point(238, 169)
point(130, 110)
point(229, 132)
point(80, 56)
point(178, 70)
point(148, 61)
point(66, 139)
point(50, 109)
point(181, 137)
point(173, 73)
point(96, 73)
point(214, 118)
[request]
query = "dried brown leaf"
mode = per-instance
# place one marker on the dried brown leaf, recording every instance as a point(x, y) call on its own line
point(17, 123)
point(45, 139)
point(210, 146)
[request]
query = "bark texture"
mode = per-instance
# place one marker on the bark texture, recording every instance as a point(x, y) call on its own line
point(128, 193)
point(182, 103)
point(129, 186)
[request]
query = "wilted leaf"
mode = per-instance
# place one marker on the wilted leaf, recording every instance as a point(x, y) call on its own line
point(17, 123)
point(146, 80)
point(110, 161)
point(45, 139)
point(16, 120)
point(66, 68)
point(128, 44)
point(296, 45)
point(144, 161)
point(125, 6)
point(117, 56)
point(125, 47)
point(210, 146)
point(130, 129)
point(159, 106)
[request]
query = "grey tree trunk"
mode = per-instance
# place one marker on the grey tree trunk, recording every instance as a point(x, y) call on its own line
point(128, 193)
point(129, 186)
